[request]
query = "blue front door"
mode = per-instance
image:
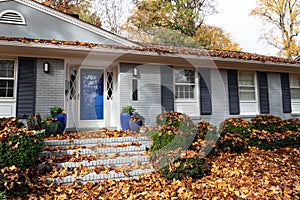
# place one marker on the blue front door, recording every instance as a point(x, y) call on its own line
point(91, 94)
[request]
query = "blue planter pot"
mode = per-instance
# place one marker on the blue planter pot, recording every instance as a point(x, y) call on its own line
point(62, 118)
point(135, 126)
point(124, 117)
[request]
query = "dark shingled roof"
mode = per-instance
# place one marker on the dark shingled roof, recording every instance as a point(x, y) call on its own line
point(164, 50)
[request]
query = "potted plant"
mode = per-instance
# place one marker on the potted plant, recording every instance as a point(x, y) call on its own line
point(126, 112)
point(135, 122)
point(60, 115)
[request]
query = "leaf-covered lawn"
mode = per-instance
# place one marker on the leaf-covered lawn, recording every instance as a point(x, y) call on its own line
point(256, 174)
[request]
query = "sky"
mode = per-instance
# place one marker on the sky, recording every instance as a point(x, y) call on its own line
point(233, 17)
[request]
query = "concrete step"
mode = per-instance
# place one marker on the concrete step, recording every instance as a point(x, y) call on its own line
point(98, 141)
point(94, 177)
point(91, 150)
point(123, 158)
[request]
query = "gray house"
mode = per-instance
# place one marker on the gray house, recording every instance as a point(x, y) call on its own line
point(48, 58)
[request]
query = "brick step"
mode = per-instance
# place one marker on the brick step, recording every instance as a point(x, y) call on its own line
point(94, 177)
point(98, 141)
point(91, 150)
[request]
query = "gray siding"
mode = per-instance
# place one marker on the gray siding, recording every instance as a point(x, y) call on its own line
point(44, 26)
point(149, 101)
point(49, 87)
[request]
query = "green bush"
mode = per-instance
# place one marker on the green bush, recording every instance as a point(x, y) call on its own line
point(50, 125)
point(3, 195)
point(291, 124)
point(232, 142)
point(35, 122)
point(176, 133)
point(236, 126)
point(19, 146)
point(268, 123)
point(175, 128)
point(193, 167)
point(267, 140)
point(14, 182)
point(234, 133)
point(205, 139)
point(19, 149)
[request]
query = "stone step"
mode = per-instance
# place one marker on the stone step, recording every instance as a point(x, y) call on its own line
point(96, 141)
point(94, 177)
point(91, 150)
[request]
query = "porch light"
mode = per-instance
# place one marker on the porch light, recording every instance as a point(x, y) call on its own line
point(46, 66)
point(135, 71)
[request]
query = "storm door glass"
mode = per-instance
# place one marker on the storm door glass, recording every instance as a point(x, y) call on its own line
point(91, 94)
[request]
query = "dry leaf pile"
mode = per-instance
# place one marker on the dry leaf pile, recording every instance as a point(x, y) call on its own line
point(256, 174)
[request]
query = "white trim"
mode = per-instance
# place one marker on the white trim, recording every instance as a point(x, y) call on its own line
point(76, 22)
point(295, 103)
point(251, 106)
point(90, 123)
point(11, 102)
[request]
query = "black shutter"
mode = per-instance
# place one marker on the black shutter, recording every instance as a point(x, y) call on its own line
point(26, 87)
point(205, 97)
point(233, 92)
point(286, 93)
point(263, 92)
point(167, 84)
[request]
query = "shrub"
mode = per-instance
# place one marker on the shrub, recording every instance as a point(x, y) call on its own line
point(267, 140)
point(189, 164)
point(173, 127)
point(232, 142)
point(56, 110)
point(173, 146)
point(3, 195)
point(19, 149)
point(35, 122)
point(291, 124)
point(205, 139)
point(50, 125)
point(268, 123)
point(236, 126)
point(14, 181)
point(234, 135)
point(19, 146)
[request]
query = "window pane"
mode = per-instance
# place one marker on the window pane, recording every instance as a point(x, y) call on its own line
point(184, 83)
point(246, 78)
point(295, 93)
point(2, 92)
point(247, 93)
point(294, 80)
point(6, 88)
point(6, 68)
point(247, 86)
point(184, 76)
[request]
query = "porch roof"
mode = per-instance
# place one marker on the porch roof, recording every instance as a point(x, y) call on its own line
point(148, 50)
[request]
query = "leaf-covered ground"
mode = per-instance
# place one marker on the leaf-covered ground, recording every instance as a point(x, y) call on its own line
point(256, 174)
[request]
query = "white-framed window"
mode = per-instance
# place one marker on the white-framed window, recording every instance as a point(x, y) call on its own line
point(295, 92)
point(185, 84)
point(7, 79)
point(248, 92)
